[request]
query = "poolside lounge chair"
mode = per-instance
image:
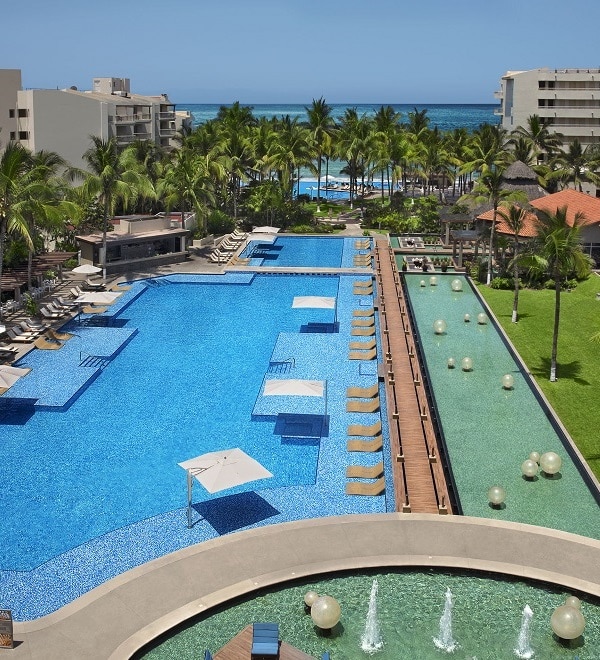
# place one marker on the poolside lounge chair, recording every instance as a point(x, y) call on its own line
point(19, 338)
point(364, 471)
point(46, 345)
point(362, 244)
point(27, 329)
point(363, 392)
point(49, 314)
point(362, 345)
point(363, 407)
point(362, 261)
point(117, 287)
point(363, 332)
point(360, 488)
point(90, 309)
point(363, 355)
point(265, 640)
point(363, 323)
point(363, 283)
point(376, 444)
point(69, 304)
point(217, 259)
point(363, 292)
point(7, 354)
point(364, 312)
point(364, 430)
point(76, 291)
point(58, 336)
point(93, 286)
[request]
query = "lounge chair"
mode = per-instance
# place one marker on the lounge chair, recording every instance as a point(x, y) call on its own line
point(363, 292)
point(217, 259)
point(364, 312)
point(362, 406)
point(68, 304)
point(19, 338)
point(358, 261)
point(117, 287)
point(90, 309)
point(363, 392)
point(376, 444)
point(55, 306)
point(76, 292)
point(26, 329)
point(363, 283)
point(362, 244)
point(44, 344)
point(363, 355)
point(364, 471)
point(49, 314)
point(8, 354)
point(362, 345)
point(362, 332)
point(365, 431)
point(363, 323)
point(58, 336)
point(94, 286)
point(265, 640)
point(361, 488)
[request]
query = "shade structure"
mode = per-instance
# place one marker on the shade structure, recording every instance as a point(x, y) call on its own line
point(220, 470)
point(97, 297)
point(318, 302)
point(10, 375)
point(265, 230)
point(86, 269)
point(294, 387)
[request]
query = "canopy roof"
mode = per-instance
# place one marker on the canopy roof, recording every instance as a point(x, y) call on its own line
point(320, 302)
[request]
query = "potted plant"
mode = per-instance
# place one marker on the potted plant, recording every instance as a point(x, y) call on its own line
point(30, 305)
point(444, 265)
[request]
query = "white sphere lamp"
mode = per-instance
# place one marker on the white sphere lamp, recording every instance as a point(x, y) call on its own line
point(482, 318)
point(439, 326)
point(466, 364)
point(529, 468)
point(325, 612)
point(567, 622)
point(550, 462)
point(496, 496)
point(456, 285)
point(508, 381)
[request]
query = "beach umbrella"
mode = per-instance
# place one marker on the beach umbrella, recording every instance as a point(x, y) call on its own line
point(86, 269)
point(265, 230)
point(220, 470)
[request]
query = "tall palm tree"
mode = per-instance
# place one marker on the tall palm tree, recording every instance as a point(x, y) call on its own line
point(543, 142)
point(108, 180)
point(576, 165)
point(320, 124)
point(557, 251)
point(514, 216)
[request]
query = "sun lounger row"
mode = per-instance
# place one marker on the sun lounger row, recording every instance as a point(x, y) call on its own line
point(375, 444)
point(364, 471)
point(363, 332)
point(362, 291)
point(363, 407)
point(363, 392)
point(365, 284)
point(370, 489)
point(362, 345)
point(362, 244)
point(364, 312)
point(363, 355)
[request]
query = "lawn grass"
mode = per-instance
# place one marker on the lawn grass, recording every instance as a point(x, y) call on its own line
point(575, 396)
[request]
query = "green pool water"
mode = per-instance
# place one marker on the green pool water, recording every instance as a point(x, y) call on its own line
point(486, 619)
point(490, 431)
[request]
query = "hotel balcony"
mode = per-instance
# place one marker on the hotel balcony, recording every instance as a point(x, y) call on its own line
point(167, 115)
point(499, 94)
point(127, 119)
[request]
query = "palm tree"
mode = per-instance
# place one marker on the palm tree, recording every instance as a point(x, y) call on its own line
point(320, 124)
point(108, 180)
point(543, 142)
point(557, 251)
point(576, 165)
point(514, 216)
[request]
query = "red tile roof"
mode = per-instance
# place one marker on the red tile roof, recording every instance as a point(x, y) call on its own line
point(574, 200)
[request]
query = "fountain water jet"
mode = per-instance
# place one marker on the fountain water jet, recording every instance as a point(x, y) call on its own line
point(523, 649)
point(371, 640)
point(445, 641)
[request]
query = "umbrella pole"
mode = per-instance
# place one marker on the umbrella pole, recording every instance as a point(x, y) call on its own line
point(189, 489)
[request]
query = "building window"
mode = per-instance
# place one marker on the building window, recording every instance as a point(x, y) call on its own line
point(13, 135)
point(23, 112)
point(11, 113)
point(23, 135)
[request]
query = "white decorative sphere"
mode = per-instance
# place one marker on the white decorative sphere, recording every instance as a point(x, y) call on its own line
point(496, 495)
point(325, 612)
point(567, 622)
point(535, 456)
point(550, 462)
point(456, 285)
point(529, 468)
point(439, 326)
point(467, 364)
point(451, 363)
point(508, 381)
point(310, 597)
point(422, 283)
point(482, 318)
point(573, 601)
point(433, 281)
point(467, 318)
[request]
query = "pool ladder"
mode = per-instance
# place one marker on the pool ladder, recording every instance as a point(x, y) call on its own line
point(282, 366)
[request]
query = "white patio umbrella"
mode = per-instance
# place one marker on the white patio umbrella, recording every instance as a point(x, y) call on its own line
point(86, 269)
point(98, 297)
point(315, 302)
point(265, 230)
point(220, 470)
point(294, 387)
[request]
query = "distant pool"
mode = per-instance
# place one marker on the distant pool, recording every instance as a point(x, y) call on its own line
point(299, 252)
point(490, 431)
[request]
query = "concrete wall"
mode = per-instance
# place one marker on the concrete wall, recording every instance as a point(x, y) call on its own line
point(10, 84)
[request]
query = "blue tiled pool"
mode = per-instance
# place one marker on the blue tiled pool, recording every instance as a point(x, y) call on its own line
point(296, 251)
point(91, 485)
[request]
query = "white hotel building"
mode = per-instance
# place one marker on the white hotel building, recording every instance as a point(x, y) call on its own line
point(568, 98)
point(62, 120)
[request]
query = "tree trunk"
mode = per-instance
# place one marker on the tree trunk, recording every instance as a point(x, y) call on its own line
point(555, 330)
point(516, 280)
point(2, 240)
point(104, 230)
point(491, 250)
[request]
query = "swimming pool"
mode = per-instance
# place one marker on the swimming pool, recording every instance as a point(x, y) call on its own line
point(489, 431)
point(486, 618)
point(93, 488)
point(301, 252)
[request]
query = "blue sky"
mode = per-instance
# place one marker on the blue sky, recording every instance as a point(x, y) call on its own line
point(278, 51)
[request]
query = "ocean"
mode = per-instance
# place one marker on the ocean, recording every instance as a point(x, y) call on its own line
point(446, 117)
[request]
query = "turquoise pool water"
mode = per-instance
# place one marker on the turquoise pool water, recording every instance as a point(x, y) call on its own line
point(490, 431)
point(92, 489)
point(486, 619)
point(298, 252)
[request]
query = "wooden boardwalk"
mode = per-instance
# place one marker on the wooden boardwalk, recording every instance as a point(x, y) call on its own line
point(240, 646)
point(419, 480)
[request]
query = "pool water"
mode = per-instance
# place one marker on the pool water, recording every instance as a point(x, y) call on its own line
point(305, 252)
point(94, 489)
point(486, 619)
point(490, 431)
